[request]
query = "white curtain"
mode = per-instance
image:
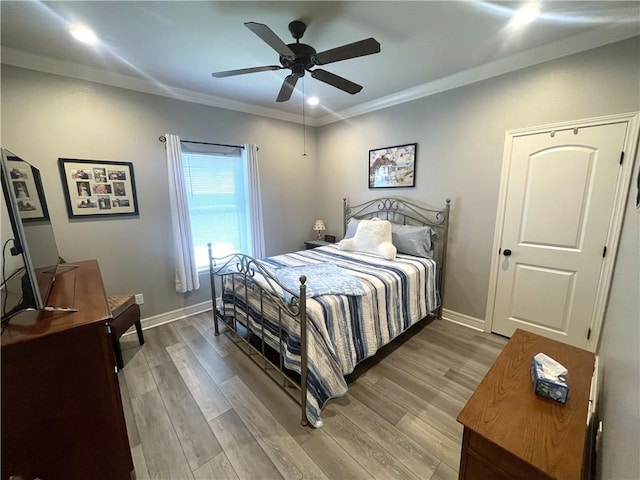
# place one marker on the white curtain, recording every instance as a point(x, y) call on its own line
point(250, 158)
point(184, 254)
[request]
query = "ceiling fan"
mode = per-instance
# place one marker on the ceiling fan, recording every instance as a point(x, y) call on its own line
point(300, 58)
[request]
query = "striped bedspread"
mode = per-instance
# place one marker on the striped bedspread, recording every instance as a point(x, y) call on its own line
point(344, 330)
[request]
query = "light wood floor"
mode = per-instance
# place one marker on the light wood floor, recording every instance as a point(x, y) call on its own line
point(198, 408)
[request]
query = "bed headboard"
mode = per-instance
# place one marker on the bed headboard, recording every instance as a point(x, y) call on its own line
point(405, 212)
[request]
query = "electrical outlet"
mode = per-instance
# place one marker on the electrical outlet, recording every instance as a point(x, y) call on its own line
point(139, 299)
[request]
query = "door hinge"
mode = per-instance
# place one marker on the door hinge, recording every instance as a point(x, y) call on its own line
point(604, 251)
point(108, 328)
point(589, 334)
point(621, 157)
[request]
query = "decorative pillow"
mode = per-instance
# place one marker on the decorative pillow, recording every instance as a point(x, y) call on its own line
point(413, 239)
point(352, 226)
point(372, 236)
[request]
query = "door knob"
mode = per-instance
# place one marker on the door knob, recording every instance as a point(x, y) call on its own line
point(507, 253)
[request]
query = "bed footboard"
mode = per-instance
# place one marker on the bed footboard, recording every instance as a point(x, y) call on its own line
point(243, 291)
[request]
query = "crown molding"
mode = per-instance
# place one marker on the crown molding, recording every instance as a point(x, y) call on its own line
point(550, 51)
point(20, 58)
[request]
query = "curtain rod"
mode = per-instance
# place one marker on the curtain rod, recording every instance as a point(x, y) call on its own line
point(163, 139)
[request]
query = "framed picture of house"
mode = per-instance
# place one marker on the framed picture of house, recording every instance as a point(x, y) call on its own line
point(98, 188)
point(27, 186)
point(393, 167)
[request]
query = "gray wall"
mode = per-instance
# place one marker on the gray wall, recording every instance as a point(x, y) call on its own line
point(45, 117)
point(460, 135)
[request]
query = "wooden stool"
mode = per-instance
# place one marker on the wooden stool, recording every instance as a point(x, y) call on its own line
point(124, 313)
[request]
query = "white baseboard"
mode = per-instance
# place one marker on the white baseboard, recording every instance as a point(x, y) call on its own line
point(167, 317)
point(462, 319)
point(172, 316)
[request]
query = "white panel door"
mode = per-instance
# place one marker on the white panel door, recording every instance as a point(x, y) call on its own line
point(558, 210)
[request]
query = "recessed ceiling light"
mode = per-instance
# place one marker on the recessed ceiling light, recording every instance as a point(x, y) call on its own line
point(313, 101)
point(83, 34)
point(526, 14)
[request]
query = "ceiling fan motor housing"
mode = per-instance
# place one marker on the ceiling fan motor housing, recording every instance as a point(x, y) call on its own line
point(302, 61)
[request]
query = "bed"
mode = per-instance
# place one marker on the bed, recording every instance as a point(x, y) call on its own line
point(307, 318)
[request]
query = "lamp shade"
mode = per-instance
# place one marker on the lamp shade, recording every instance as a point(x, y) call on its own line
point(319, 225)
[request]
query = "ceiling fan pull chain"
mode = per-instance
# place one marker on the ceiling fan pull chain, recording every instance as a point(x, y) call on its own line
point(304, 125)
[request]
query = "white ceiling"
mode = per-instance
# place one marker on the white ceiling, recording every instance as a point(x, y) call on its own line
point(171, 47)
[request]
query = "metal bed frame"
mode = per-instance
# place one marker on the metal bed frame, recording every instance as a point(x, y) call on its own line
point(242, 269)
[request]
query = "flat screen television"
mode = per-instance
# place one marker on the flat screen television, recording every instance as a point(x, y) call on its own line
point(28, 282)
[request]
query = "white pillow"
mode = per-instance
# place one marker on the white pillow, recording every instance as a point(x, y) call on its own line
point(372, 236)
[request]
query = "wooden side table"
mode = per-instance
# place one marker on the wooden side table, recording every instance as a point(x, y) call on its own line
point(512, 433)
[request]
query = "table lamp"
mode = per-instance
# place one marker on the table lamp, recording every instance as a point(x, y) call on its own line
point(319, 227)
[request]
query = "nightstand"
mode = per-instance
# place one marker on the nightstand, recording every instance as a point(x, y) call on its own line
point(309, 244)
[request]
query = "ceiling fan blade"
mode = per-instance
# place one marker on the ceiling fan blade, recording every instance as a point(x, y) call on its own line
point(345, 52)
point(271, 39)
point(336, 81)
point(287, 88)
point(242, 71)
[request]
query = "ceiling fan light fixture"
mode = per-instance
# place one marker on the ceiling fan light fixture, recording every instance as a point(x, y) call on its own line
point(313, 101)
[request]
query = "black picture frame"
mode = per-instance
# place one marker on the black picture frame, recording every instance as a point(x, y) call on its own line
point(393, 167)
point(98, 188)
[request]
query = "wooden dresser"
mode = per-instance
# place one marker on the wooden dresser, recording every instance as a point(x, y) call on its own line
point(62, 415)
point(511, 433)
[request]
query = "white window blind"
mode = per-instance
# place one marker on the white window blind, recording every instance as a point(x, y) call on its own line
point(218, 204)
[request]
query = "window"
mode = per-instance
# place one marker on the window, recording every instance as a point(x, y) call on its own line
point(218, 204)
